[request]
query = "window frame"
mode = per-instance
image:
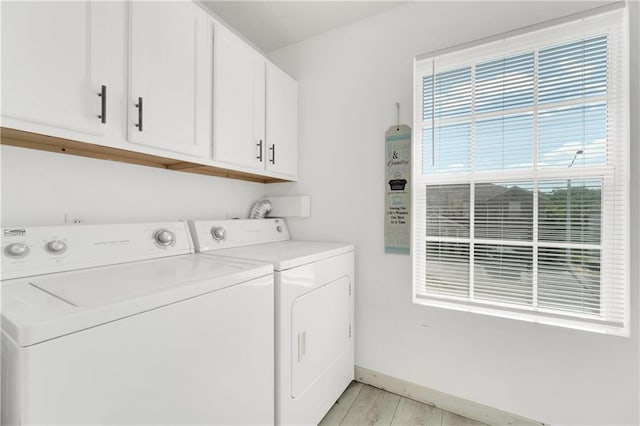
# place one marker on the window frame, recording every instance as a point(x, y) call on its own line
point(506, 45)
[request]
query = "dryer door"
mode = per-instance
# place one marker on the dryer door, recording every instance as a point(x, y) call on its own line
point(320, 332)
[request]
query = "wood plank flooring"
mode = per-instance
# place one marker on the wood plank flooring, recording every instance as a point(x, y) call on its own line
point(362, 405)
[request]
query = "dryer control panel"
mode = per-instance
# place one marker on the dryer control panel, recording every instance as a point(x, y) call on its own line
point(221, 234)
point(47, 249)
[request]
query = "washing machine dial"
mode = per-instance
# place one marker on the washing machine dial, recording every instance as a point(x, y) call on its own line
point(56, 247)
point(218, 233)
point(164, 237)
point(17, 250)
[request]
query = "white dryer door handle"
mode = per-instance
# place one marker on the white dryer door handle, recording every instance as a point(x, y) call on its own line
point(302, 345)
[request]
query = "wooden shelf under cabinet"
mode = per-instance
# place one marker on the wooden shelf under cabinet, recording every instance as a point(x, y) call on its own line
point(41, 142)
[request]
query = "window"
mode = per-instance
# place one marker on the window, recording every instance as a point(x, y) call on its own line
point(521, 177)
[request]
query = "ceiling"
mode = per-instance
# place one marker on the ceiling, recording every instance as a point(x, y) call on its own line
point(270, 25)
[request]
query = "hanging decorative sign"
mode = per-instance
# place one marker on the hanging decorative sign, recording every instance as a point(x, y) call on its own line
point(397, 231)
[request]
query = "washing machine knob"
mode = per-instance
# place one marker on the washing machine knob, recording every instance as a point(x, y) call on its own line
point(218, 233)
point(164, 237)
point(56, 247)
point(17, 250)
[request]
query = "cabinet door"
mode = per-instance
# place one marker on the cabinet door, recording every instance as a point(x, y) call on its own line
point(282, 122)
point(169, 87)
point(49, 70)
point(239, 101)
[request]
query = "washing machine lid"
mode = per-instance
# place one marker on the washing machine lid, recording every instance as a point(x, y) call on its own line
point(123, 282)
point(287, 254)
point(39, 308)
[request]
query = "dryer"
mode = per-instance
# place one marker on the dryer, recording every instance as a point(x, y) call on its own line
point(314, 293)
point(122, 324)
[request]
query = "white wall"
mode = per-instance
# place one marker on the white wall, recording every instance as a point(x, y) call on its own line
point(350, 79)
point(39, 187)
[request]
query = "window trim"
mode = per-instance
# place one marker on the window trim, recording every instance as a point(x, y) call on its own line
point(606, 173)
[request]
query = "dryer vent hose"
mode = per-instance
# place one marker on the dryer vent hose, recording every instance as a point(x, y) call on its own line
point(260, 209)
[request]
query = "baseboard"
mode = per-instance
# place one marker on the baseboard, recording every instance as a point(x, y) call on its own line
point(463, 407)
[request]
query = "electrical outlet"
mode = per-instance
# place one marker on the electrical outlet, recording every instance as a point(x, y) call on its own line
point(72, 218)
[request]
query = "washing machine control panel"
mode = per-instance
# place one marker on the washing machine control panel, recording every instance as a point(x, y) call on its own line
point(38, 250)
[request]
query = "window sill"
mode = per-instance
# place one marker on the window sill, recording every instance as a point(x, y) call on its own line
point(537, 316)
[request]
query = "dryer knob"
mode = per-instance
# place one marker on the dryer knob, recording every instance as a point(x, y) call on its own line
point(17, 250)
point(164, 237)
point(56, 247)
point(218, 233)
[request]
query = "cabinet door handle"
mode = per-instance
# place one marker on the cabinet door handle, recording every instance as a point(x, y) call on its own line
point(103, 104)
point(139, 106)
point(259, 145)
point(273, 154)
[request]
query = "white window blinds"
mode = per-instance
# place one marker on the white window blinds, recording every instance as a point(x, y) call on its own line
point(521, 177)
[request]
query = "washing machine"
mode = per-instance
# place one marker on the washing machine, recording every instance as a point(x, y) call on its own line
point(314, 292)
point(123, 324)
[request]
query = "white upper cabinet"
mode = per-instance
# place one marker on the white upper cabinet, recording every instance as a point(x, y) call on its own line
point(155, 77)
point(169, 77)
point(255, 109)
point(282, 123)
point(51, 65)
point(239, 101)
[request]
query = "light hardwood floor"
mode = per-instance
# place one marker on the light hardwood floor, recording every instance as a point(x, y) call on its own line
point(365, 405)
